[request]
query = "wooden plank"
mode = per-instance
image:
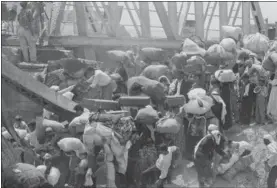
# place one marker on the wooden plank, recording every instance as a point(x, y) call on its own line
point(183, 19)
point(133, 19)
point(172, 16)
point(144, 19)
point(76, 41)
point(22, 79)
point(164, 19)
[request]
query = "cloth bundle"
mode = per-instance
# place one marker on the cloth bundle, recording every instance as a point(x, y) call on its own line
point(152, 54)
point(153, 72)
point(226, 75)
point(152, 88)
point(232, 32)
point(257, 43)
point(117, 55)
point(179, 60)
point(168, 125)
point(195, 64)
point(147, 116)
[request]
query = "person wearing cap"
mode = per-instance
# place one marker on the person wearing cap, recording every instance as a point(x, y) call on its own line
point(26, 34)
point(261, 95)
point(101, 80)
point(203, 157)
point(20, 124)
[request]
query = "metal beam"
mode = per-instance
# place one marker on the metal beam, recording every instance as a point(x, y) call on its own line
point(258, 17)
point(136, 8)
point(133, 19)
point(115, 15)
point(199, 28)
point(210, 20)
point(180, 10)
point(144, 19)
point(206, 11)
point(236, 14)
point(223, 15)
point(57, 18)
point(246, 17)
point(231, 11)
point(77, 41)
point(183, 19)
point(164, 19)
point(82, 25)
point(98, 12)
point(172, 16)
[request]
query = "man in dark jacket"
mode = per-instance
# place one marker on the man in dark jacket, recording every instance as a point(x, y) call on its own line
point(181, 85)
point(203, 156)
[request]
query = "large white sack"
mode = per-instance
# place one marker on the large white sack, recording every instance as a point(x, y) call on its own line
point(70, 144)
point(233, 32)
point(21, 133)
point(53, 176)
point(94, 133)
point(257, 43)
point(198, 106)
point(196, 93)
point(226, 75)
point(56, 126)
point(80, 122)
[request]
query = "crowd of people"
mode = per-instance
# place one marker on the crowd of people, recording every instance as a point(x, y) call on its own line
point(90, 150)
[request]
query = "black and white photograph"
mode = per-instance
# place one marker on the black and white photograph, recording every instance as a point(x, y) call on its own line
point(138, 94)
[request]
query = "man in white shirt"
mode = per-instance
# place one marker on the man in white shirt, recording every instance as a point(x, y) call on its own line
point(101, 80)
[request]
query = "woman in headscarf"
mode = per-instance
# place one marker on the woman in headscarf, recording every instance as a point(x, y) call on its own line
point(165, 81)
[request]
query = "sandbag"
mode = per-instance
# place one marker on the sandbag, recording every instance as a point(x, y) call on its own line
point(228, 44)
point(196, 93)
point(153, 72)
point(152, 54)
point(239, 166)
point(21, 133)
point(54, 175)
point(231, 32)
point(117, 55)
point(94, 133)
point(152, 88)
point(179, 60)
point(257, 43)
point(226, 75)
point(56, 126)
point(147, 116)
point(168, 125)
point(268, 64)
point(70, 144)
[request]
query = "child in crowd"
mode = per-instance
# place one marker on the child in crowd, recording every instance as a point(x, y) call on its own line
point(164, 162)
point(81, 170)
point(261, 95)
point(248, 98)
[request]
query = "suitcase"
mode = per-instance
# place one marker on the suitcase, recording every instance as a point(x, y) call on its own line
point(175, 101)
point(134, 101)
point(98, 104)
